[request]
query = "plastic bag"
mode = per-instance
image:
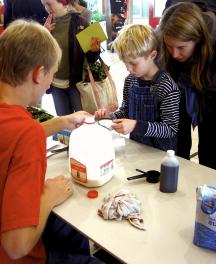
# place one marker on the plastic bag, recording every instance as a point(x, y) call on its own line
point(205, 224)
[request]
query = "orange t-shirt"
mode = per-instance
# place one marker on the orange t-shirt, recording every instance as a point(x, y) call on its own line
point(1, 9)
point(22, 174)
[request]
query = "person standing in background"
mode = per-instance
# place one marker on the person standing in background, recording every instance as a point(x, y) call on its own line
point(188, 53)
point(28, 9)
point(64, 25)
point(83, 3)
point(76, 6)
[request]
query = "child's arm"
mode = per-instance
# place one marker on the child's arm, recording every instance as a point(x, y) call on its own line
point(19, 242)
point(64, 122)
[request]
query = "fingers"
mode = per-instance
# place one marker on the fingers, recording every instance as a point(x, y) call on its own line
point(49, 19)
point(84, 113)
point(74, 120)
point(117, 125)
point(124, 126)
point(66, 184)
point(79, 117)
point(48, 23)
point(101, 113)
point(95, 44)
point(117, 121)
point(120, 126)
point(58, 189)
point(69, 188)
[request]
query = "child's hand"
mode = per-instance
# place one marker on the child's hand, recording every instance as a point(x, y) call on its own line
point(58, 189)
point(124, 126)
point(95, 44)
point(75, 120)
point(48, 23)
point(102, 113)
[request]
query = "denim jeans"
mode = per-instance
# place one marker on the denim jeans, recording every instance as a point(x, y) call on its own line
point(65, 245)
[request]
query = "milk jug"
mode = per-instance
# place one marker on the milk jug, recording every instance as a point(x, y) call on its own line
point(91, 154)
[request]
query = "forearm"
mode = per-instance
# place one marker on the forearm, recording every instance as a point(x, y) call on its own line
point(54, 125)
point(34, 233)
point(58, 123)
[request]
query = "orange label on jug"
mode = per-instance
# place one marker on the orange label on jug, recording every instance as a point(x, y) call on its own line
point(78, 170)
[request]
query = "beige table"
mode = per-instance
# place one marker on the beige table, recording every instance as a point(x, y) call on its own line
point(169, 218)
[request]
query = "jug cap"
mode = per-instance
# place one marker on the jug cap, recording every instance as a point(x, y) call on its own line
point(92, 194)
point(90, 120)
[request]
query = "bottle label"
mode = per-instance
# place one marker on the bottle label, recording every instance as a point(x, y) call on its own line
point(205, 223)
point(106, 168)
point(168, 178)
point(78, 171)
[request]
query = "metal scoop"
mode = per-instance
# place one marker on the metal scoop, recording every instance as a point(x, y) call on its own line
point(152, 176)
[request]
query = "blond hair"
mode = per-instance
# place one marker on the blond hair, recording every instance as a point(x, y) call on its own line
point(25, 45)
point(135, 41)
point(185, 22)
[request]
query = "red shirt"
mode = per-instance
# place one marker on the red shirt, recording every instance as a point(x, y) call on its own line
point(1, 9)
point(22, 173)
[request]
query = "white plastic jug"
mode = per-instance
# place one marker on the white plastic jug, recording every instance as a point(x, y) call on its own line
point(91, 154)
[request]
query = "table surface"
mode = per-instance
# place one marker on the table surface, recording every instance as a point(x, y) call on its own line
point(169, 218)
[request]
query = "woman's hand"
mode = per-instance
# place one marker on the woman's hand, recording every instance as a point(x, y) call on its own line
point(95, 44)
point(48, 23)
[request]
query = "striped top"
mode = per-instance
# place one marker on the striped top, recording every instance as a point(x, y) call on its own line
point(169, 95)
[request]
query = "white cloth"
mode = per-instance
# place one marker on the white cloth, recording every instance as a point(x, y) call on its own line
point(122, 205)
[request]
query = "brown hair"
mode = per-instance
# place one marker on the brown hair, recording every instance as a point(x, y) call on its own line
point(184, 22)
point(25, 45)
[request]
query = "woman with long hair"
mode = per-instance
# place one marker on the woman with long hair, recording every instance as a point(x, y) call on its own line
point(186, 52)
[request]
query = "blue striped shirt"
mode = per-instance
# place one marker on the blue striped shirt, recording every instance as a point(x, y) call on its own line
point(169, 95)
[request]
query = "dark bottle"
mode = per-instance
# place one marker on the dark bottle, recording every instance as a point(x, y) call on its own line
point(169, 173)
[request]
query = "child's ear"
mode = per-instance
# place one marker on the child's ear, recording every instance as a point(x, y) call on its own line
point(37, 74)
point(153, 54)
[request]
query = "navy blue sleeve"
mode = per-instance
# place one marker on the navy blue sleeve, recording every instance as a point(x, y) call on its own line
point(7, 12)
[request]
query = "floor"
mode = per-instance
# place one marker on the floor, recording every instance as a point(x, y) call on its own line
point(118, 73)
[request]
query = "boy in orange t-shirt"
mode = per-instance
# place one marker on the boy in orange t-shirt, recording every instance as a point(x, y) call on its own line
point(29, 232)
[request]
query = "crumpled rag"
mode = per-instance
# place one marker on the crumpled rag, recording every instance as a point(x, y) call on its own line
point(122, 205)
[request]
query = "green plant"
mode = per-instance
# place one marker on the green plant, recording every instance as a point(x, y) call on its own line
point(97, 72)
point(97, 16)
point(39, 114)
